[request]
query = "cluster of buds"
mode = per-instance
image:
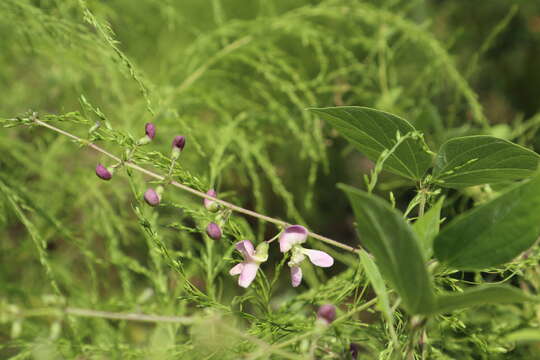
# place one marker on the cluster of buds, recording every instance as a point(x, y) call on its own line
point(213, 230)
point(106, 173)
point(289, 240)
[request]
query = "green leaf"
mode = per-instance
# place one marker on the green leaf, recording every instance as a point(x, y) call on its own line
point(373, 131)
point(475, 160)
point(493, 233)
point(481, 295)
point(377, 282)
point(395, 247)
point(427, 227)
point(525, 335)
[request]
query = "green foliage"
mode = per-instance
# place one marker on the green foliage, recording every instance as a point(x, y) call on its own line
point(492, 233)
point(481, 295)
point(477, 160)
point(88, 270)
point(375, 132)
point(395, 247)
point(427, 226)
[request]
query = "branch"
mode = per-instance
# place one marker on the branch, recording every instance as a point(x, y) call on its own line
point(196, 192)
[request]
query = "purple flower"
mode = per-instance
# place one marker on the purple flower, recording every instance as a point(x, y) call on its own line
point(152, 197)
point(179, 142)
point(253, 258)
point(211, 205)
point(150, 130)
point(291, 239)
point(214, 231)
point(103, 173)
point(327, 313)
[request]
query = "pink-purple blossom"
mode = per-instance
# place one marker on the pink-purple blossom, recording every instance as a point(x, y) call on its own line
point(253, 258)
point(291, 240)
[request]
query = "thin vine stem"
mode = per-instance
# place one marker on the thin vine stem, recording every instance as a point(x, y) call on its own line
point(195, 192)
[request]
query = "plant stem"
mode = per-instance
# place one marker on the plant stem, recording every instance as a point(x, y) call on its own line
point(109, 315)
point(229, 205)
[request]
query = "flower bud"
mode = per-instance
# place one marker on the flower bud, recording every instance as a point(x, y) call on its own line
point(214, 231)
point(211, 205)
point(354, 349)
point(150, 130)
point(153, 197)
point(178, 145)
point(103, 173)
point(327, 313)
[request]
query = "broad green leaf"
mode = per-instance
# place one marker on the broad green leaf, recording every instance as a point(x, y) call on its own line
point(493, 233)
point(481, 295)
point(377, 282)
point(427, 227)
point(525, 335)
point(475, 160)
point(395, 247)
point(373, 131)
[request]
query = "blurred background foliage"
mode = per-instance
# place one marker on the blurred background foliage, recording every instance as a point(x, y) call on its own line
point(235, 77)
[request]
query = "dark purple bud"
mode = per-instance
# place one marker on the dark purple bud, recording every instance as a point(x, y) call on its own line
point(152, 197)
point(103, 173)
point(354, 349)
point(179, 142)
point(214, 231)
point(150, 130)
point(327, 313)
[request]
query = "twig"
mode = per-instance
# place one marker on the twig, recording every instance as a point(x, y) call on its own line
point(226, 204)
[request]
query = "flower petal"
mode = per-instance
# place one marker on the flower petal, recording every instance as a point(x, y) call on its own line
point(249, 271)
point(296, 276)
point(236, 269)
point(292, 235)
point(319, 258)
point(246, 248)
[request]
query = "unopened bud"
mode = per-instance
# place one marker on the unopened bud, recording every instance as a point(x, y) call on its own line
point(354, 349)
point(153, 197)
point(178, 145)
point(214, 231)
point(150, 130)
point(211, 205)
point(104, 173)
point(327, 313)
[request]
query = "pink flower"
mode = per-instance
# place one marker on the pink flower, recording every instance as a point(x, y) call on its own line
point(253, 258)
point(291, 239)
